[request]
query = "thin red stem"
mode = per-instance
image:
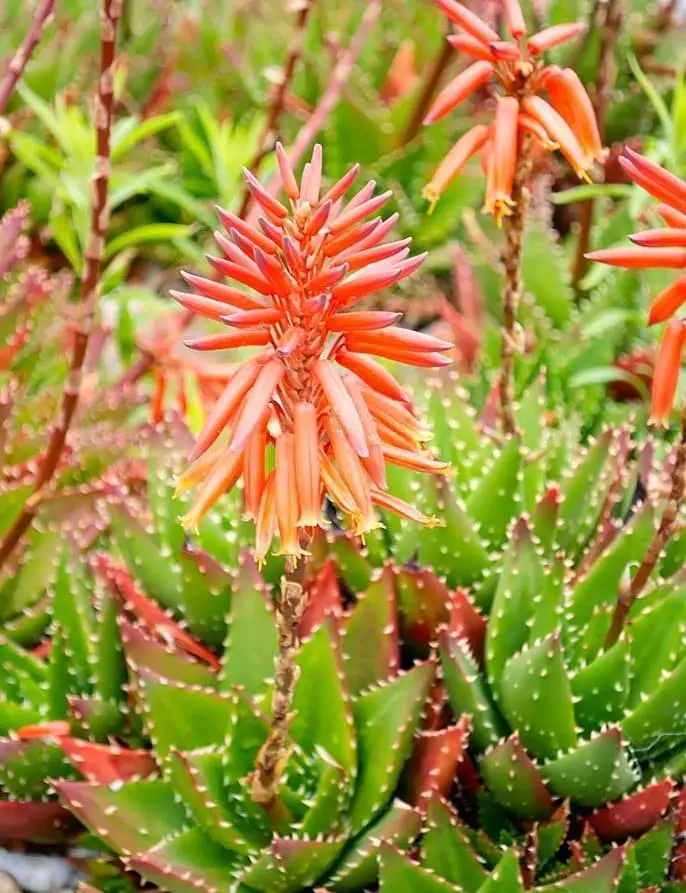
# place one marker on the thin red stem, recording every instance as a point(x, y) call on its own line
point(21, 57)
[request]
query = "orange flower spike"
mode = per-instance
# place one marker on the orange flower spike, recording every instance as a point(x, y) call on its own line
point(570, 98)
point(354, 477)
point(301, 274)
point(672, 186)
point(560, 131)
point(514, 18)
point(307, 464)
point(220, 479)
point(470, 46)
point(553, 37)
point(402, 509)
point(459, 89)
point(503, 159)
point(254, 471)
point(265, 523)
point(667, 370)
point(660, 238)
point(641, 258)
point(671, 216)
point(286, 495)
point(467, 20)
point(57, 728)
point(467, 146)
point(667, 302)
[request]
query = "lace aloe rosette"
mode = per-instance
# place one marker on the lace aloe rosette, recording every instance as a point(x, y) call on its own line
point(333, 414)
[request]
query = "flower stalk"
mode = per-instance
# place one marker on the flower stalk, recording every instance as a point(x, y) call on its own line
point(274, 753)
point(104, 111)
point(666, 529)
point(20, 59)
point(513, 225)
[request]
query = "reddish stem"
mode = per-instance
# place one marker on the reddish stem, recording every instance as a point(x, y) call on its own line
point(111, 11)
point(21, 57)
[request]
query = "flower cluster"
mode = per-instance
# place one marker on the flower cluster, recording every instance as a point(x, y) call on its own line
point(565, 121)
point(311, 415)
point(664, 247)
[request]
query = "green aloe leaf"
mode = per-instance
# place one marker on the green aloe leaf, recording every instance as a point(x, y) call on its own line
point(514, 603)
point(251, 644)
point(657, 723)
point(180, 717)
point(27, 766)
point(158, 575)
point(515, 780)
point(143, 652)
point(398, 873)
point(530, 421)
point(549, 602)
point(595, 772)
point(220, 805)
point(188, 861)
point(290, 865)
point(648, 859)
point(321, 702)
point(591, 602)
point(656, 643)
point(326, 810)
point(582, 493)
point(386, 719)
point(455, 432)
point(601, 689)
point(506, 876)
point(468, 693)
point(599, 878)
point(423, 606)
point(72, 610)
point(131, 817)
point(544, 519)
point(110, 670)
point(353, 563)
point(494, 501)
point(445, 849)
point(455, 547)
point(536, 698)
point(358, 867)
point(369, 637)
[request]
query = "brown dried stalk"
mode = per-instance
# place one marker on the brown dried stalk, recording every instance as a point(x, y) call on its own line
point(605, 77)
point(668, 526)
point(21, 57)
point(273, 755)
point(427, 94)
point(279, 99)
point(333, 91)
point(512, 261)
point(110, 13)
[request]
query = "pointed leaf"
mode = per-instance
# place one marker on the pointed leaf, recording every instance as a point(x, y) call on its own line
point(369, 636)
point(506, 876)
point(493, 503)
point(468, 693)
point(514, 603)
point(446, 849)
point(290, 865)
point(656, 643)
point(635, 814)
point(181, 717)
point(537, 699)
point(321, 702)
point(657, 723)
point(358, 867)
point(323, 599)
point(601, 689)
point(145, 653)
point(107, 763)
point(423, 606)
point(386, 719)
point(189, 861)
point(433, 765)
point(26, 766)
point(35, 822)
point(129, 817)
point(251, 645)
point(599, 878)
point(397, 873)
point(515, 780)
point(594, 773)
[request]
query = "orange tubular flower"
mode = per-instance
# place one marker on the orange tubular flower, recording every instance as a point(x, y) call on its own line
point(564, 121)
point(665, 248)
point(333, 415)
